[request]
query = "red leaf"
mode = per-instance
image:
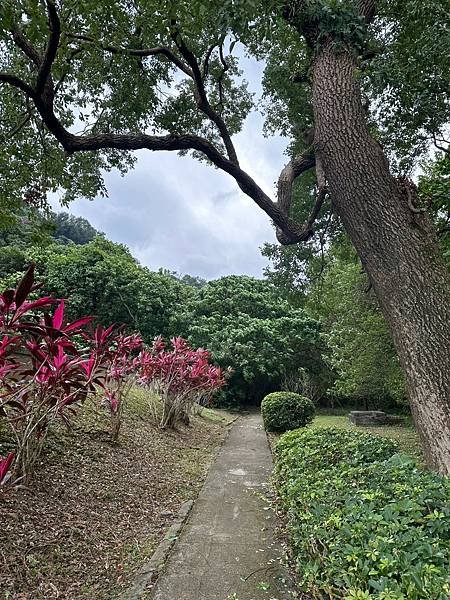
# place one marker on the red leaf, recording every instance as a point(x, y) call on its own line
point(24, 287)
point(58, 316)
point(8, 298)
point(78, 324)
point(5, 464)
point(27, 306)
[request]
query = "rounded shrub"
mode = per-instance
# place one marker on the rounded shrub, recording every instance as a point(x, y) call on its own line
point(283, 411)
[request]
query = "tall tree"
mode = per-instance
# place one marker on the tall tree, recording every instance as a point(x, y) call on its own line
point(69, 228)
point(248, 327)
point(68, 113)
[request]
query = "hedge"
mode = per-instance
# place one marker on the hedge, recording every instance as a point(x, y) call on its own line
point(364, 522)
point(282, 411)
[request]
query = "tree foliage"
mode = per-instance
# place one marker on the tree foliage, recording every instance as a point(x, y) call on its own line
point(359, 347)
point(68, 228)
point(248, 327)
point(184, 84)
point(358, 350)
point(103, 279)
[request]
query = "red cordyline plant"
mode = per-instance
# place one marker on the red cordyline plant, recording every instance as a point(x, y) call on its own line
point(117, 353)
point(180, 376)
point(43, 375)
point(5, 471)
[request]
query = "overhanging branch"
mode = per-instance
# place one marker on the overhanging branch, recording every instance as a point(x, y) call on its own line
point(42, 96)
point(201, 95)
point(17, 83)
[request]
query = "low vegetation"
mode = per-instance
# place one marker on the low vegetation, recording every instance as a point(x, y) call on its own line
point(364, 521)
point(403, 433)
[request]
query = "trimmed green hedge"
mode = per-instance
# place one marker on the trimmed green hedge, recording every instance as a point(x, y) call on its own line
point(283, 411)
point(365, 522)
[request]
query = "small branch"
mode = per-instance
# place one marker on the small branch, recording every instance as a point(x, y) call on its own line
point(71, 56)
point(201, 96)
point(28, 49)
point(18, 83)
point(411, 195)
point(20, 125)
point(157, 50)
point(225, 68)
point(438, 146)
point(206, 60)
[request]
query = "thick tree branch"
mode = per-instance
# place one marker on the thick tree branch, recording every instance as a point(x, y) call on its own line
point(44, 80)
point(28, 49)
point(202, 98)
point(17, 83)
point(43, 99)
point(367, 9)
point(291, 171)
point(191, 69)
point(288, 175)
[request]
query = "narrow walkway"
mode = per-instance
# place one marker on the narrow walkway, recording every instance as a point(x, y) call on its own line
point(227, 550)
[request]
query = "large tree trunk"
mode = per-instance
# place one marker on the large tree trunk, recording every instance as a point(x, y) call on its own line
point(396, 245)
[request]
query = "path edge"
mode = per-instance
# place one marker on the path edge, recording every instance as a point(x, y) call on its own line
point(152, 569)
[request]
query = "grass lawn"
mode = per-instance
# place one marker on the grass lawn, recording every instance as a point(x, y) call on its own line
point(96, 510)
point(405, 435)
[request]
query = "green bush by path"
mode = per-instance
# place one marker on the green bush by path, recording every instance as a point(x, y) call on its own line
point(364, 522)
point(283, 411)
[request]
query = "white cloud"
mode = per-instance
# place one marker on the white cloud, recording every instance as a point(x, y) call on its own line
point(177, 213)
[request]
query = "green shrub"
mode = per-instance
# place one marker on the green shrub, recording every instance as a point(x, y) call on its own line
point(282, 411)
point(365, 523)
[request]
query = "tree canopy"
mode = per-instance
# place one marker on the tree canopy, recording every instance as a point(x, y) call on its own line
point(63, 91)
point(248, 327)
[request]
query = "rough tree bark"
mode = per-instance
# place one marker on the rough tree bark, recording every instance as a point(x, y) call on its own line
point(395, 243)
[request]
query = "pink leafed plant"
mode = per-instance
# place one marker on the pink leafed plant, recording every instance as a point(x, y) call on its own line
point(6, 471)
point(180, 376)
point(117, 353)
point(43, 374)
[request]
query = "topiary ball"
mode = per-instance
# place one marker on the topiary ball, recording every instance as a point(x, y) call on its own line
point(283, 411)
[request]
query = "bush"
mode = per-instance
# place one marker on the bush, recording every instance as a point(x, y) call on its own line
point(365, 523)
point(282, 411)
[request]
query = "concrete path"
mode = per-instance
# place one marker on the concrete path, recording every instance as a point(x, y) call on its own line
point(226, 550)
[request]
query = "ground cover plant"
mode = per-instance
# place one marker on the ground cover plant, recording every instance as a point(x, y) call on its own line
point(404, 434)
point(364, 521)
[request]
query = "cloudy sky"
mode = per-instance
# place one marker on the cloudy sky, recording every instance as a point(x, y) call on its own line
point(176, 213)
